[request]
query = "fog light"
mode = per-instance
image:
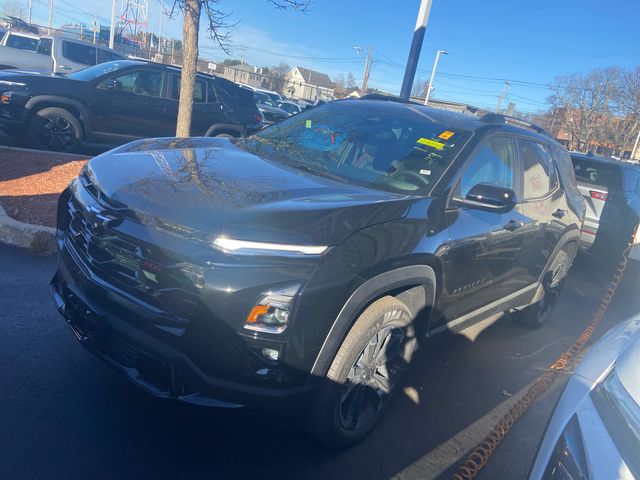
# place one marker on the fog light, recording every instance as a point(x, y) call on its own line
point(271, 354)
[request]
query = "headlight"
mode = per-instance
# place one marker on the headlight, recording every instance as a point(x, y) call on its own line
point(270, 315)
point(568, 461)
point(249, 247)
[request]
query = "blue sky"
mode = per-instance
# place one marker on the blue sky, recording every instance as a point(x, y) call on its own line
point(491, 40)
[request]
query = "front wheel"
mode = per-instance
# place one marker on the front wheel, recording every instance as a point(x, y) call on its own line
point(54, 129)
point(364, 374)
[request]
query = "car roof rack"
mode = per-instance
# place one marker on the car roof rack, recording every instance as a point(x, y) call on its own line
point(388, 98)
point(508, 120)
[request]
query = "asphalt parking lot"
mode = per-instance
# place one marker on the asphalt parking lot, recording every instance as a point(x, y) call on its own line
point(65, 414)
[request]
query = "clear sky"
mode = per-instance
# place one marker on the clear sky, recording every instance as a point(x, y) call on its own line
point(526, 42)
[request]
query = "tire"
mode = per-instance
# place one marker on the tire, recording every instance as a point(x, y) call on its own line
point(536, 315)
point(54, 129)
point(355, 393)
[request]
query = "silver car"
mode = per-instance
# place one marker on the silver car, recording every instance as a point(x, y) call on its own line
point(594, 433)
point(611, 190)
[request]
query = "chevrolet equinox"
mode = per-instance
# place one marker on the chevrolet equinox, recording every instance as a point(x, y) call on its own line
point(304, 263)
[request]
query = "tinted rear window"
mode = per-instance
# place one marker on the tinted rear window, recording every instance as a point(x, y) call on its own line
point(231, 94)
point(79, 53)
point(23, 43)
point(596, 173)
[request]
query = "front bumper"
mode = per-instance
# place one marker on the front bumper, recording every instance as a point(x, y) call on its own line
point(154, 365)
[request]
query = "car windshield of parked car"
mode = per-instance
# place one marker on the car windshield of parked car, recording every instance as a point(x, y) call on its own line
point(401, 149)
point(91, 73)
point(263, 99)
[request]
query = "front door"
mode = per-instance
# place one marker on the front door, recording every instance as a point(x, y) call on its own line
point(481, 264)
point(131, 105)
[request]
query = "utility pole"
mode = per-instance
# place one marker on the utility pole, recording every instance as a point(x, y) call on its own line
point(416, 46)
point(112, 32)
point(30, 8)
point(433, 74)
point(502, 95)
point(50, 16)
point(367, 70)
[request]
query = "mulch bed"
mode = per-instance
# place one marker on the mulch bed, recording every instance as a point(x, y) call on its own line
point(30, 183)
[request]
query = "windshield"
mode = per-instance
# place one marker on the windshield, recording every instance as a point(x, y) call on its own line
point(398, 149)
point(91, 73)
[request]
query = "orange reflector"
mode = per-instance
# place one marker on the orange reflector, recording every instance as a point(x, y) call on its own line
point(5, 99)
point(256, 312)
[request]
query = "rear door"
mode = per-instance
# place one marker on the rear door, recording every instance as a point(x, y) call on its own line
point(206, 106)
point(70, 56)
point(546, 213)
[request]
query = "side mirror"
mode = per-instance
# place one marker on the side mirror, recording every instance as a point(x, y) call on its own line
point(111, 84)
point(491, 195)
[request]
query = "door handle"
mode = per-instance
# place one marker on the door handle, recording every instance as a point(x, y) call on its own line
point(65, 67)
point(559, 213)
point(513, 225)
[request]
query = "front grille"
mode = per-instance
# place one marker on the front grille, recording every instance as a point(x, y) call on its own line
point(151, 274)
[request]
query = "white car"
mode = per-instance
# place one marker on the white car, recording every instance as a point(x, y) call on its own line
point(594, 433)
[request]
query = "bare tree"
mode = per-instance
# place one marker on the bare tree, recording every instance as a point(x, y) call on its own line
point(583, 101)
point(351, 81)
point(280, 70)
point(420, 88)
point(14, 8)
point(340, 81)
point(219, 27)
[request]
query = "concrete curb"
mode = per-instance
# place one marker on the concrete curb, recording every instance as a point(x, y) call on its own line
point(46, 152)
point(35, 237)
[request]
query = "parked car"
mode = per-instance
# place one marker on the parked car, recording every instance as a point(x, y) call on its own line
point(274, 96)
point(290, 107)
point(116, 102)
point(611, 190)
point(300, 266)
point(50, 54)
point(267, 107)
point(594, 432)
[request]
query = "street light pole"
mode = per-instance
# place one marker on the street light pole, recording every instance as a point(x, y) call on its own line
point(433, 74)
point(112, 32)
point(416, 46)
point(50, 16)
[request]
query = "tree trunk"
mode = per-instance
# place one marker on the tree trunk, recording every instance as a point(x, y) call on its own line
point(190, 30)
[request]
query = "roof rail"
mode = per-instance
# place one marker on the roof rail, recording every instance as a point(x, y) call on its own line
point(388, 98)
point(508, 120)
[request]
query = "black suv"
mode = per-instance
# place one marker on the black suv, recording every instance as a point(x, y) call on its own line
point(116, 102)
point(306, 261)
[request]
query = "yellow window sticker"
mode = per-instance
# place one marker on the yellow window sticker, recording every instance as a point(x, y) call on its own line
point(446, 135)
point(308, 124)
point(431, 143)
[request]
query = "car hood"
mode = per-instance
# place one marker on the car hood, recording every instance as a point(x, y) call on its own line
point(29, 78)
point(211, 185)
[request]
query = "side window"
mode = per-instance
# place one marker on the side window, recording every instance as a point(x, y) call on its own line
point(127, 82)
point(211, 92)
point(22, 43)
point(492, 162)
point(44, 47)
point(199, 92)
point(535, 165)
point(108, 56)
point(79, 53)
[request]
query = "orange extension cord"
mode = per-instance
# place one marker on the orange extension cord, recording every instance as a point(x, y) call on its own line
point(480, 455)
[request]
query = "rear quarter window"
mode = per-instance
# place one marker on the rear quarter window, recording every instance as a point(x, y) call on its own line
point(79, 53)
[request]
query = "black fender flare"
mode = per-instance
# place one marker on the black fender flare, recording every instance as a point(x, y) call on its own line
point(225, 127)
point(45, 101)
point(422, 276)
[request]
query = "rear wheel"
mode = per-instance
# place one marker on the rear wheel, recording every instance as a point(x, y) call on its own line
point(536, 315)
point(364, 374)
point(54, 129)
